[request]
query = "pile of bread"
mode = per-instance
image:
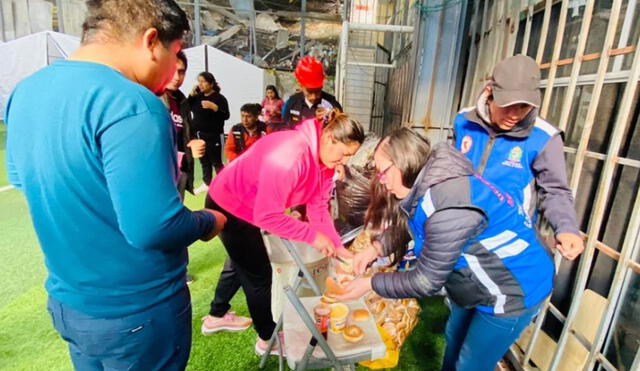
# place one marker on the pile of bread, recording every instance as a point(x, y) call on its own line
point(397, 317)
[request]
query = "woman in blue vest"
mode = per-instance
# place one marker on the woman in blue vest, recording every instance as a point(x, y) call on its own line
point(469, 238)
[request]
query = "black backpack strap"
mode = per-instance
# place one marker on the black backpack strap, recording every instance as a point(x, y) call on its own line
point(262, 128)
point(238, 132)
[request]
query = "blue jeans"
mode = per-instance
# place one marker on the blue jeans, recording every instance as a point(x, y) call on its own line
point(158, 338)
point(476, 341)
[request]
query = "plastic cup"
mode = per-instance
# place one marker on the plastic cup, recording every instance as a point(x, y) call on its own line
point(321, 313)
point(339, 313)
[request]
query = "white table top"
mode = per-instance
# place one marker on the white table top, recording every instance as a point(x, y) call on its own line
point(297, 336)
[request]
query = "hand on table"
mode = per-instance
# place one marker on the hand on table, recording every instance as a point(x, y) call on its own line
point(570, 245)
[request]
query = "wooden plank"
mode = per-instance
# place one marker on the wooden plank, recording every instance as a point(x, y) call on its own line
point(592, 56)
point(575, 355)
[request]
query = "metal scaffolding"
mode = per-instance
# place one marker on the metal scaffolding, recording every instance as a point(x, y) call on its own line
point(604, 167)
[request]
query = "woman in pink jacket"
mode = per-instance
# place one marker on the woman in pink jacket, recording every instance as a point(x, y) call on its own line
point(283, 169)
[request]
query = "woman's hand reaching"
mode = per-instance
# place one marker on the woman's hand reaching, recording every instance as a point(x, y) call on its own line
point(323, 244)
point(362, 259)
point(355, 289)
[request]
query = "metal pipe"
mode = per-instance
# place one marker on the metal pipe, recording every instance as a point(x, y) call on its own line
point(60, 17)
point(407, 111)
point(624, 33)
point(603, 190)
point(310, 324)
point(2, 24)
point(527, 29)
point(345, 10)
point(481, 54)
point(369, 64)
point(513, 35)
point(554, 58)
point(636, 362)
point(197, 23)
point(624, 113)
point(342, 55)
point(380, 27)
point(545, 30)
point(597, 90)
point(473, 52)
point(303, 10)
point(254, 41)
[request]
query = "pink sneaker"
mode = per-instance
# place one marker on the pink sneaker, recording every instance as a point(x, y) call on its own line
point(261, 346)
point(229, 322)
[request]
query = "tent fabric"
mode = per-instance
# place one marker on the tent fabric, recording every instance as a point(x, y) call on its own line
point(240, 82)
point(22, 57)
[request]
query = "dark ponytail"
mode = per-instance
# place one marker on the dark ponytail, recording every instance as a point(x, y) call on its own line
point(208, 77)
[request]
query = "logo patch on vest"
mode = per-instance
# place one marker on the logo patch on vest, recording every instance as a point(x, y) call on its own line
point(466, 144)
point(515, 155)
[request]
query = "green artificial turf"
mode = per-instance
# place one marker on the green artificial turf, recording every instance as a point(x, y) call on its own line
point(28, 341)
point(3, 144)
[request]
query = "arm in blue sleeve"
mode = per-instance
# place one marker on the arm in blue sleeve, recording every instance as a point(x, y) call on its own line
point(139, 161)
point(12, 173)
point(446, 233)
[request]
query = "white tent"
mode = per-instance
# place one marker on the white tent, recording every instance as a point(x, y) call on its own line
point(26, 55)
point(240, 82)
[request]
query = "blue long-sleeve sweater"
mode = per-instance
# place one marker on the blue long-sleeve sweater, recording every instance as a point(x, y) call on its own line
point(94, 154)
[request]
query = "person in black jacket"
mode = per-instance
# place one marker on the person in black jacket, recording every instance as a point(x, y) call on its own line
point(178, 107)
point(469, 237)
point(311, 101)
point(209, 111)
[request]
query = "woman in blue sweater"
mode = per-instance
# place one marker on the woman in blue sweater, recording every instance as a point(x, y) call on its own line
point(469, 238)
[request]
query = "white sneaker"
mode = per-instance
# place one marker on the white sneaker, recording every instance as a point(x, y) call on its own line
point(229, 322)
point(261, 346)
point(203, 188)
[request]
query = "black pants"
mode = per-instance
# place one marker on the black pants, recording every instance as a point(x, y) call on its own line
point(228, 285)
point(250, 262)
point(212, 158)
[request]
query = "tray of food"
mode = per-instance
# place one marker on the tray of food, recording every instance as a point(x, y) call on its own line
point(351, 333)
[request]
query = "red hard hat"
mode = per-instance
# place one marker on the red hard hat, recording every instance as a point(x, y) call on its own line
point(309, 73)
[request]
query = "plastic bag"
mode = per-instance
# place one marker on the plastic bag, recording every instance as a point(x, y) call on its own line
point(352, 193)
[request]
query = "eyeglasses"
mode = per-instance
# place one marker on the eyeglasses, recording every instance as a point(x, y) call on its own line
point(383, 174)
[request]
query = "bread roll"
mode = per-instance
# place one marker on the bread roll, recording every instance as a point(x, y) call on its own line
point(360, 315)
point(395, 315)
point(352, 333)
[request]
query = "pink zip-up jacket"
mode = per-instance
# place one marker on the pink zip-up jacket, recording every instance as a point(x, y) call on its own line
point(279, 171)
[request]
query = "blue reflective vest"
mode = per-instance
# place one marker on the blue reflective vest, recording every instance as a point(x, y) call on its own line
point(504, 266)
point(506, 160)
